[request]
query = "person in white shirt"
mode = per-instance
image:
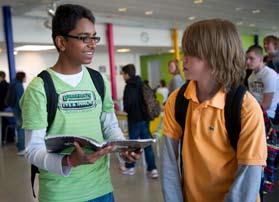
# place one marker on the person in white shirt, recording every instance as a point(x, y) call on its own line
point(163, 90)
point(263, 82)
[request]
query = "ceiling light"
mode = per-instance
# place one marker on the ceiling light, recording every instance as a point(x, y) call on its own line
point(123, 50)
point(198, 1)
point(51, 9)
point(34, 48)
point(256, 11)
point(15, 52)
point(192, 18)
point(148, 12)
point(122, 9)
point(239, 23)
point(252, 25)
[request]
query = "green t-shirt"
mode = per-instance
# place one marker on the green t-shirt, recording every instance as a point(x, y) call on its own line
point(78, 113)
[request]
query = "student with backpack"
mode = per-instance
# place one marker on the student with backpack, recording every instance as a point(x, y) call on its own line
point(81, 110)
point(138, 117)
point(221, 133)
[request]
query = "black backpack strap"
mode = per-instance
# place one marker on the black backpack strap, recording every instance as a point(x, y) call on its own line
point(52, 100)
point(181, 105)
point(51, 96)
point(232, 112)
point(98, 82)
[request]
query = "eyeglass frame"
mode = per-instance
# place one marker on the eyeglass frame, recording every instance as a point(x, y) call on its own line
point(95, 39)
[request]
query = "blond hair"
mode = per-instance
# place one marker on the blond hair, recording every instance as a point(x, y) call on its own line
point(217, 41)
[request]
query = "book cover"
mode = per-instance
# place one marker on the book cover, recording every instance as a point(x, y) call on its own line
point(59, 143)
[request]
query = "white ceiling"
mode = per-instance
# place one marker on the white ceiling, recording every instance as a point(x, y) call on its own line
point(166, 13)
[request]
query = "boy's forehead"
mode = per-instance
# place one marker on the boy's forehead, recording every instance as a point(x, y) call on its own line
point(84, 26)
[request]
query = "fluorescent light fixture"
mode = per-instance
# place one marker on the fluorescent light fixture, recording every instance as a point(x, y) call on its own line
point(239, 23)
point(198, 1)
point(34, 48)
point(252, 25)
point(123, 50)
point(192, 18)
point(148, 12)
point(122, 9)
point(256, 11)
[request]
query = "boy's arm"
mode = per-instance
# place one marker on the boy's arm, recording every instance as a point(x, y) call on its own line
point(246, 185)
point(267, 100)
point(170, 175)
point(37, 155)
point(110, 127)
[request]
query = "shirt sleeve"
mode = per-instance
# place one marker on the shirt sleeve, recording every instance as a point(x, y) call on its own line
point(170, 126)
point(33, 106)
point(270, 82)
point(246, 185)
point(108, 105)
point(37, 155)
point(251, 148)
point(170, 175)
point(110, 126)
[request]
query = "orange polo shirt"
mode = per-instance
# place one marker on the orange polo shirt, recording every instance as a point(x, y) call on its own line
point(210, 163)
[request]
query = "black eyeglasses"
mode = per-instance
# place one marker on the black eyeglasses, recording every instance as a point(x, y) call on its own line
point(85, 39)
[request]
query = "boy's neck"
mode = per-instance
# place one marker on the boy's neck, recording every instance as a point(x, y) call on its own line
point(206, 90)
point(66, 67)
point(261, 66)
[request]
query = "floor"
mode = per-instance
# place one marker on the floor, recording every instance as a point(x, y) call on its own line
point(15, 181)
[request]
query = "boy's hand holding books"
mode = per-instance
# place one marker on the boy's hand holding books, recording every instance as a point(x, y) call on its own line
point(131, 156)
point(79, 157)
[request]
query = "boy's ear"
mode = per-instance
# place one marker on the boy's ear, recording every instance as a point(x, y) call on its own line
point(60, 43)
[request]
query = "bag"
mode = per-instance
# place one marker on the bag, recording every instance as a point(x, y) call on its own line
point(276, 118)
point(52, 101)
point(232, 114)
point(271, 168)
point(153, 108)
point(233, 106)
point(10, 99)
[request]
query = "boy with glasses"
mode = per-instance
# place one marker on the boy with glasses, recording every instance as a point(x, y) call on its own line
point(78, 176)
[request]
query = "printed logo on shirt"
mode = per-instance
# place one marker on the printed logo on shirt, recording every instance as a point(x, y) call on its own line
point(77, 100)
point(257, 87)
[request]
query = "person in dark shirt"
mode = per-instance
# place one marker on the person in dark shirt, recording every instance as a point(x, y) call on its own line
point(138, 120)
point(4, 85)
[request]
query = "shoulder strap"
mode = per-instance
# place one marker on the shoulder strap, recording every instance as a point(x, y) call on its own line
point(52, 100)
point(51, 96)
point(98, 81)
point(232, 112)
point(181, 105)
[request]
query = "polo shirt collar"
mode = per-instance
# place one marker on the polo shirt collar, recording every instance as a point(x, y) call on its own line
point(217, 101)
